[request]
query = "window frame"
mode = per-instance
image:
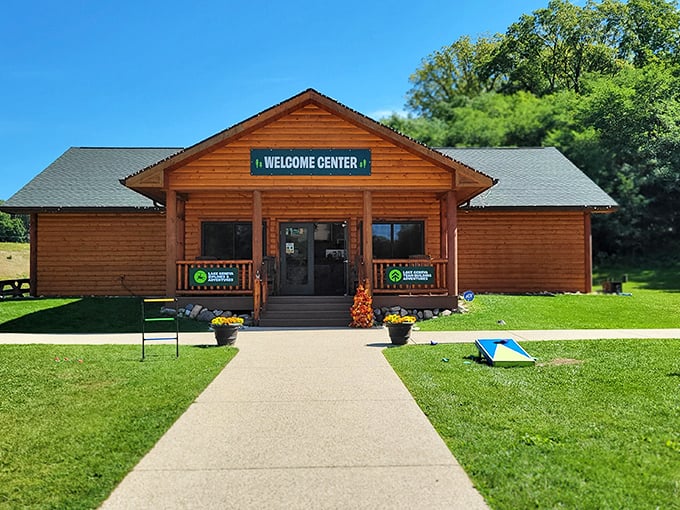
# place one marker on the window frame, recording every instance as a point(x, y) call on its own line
point(392, 223)
point(203, 223)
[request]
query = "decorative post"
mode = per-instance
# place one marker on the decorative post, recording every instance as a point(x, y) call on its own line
point(452, 243)
point(171, 243)
point(368, 241)
point(257, 254)
point(588, 250)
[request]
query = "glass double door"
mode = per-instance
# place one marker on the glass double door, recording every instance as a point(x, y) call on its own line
point(313, 259)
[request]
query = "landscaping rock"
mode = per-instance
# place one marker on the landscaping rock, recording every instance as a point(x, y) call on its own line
point(445, 313)
point(428, 314)
point(168, 312)
point(205, 316)
point(195, 311)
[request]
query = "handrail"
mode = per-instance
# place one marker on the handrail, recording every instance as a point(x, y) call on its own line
point(438, 287)
point(245, 280)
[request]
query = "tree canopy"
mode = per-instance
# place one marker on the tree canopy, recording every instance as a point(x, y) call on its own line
point(600, 82)
point(13, 229)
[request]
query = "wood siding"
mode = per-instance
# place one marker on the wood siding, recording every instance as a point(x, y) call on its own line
point(521, 251)
point(86, 254)
point(309, 127)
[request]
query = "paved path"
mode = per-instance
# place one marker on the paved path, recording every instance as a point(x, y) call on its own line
point(306, 419)
point(301, 419)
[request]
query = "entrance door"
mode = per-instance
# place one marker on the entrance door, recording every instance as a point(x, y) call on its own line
point(297, 258)
point(313, 259)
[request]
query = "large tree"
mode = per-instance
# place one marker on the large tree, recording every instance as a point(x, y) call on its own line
point(600, 82)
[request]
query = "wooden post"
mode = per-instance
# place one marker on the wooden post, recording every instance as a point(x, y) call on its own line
point(257, 254)
point(452, 243)
point(588, 253)
point(170, 243)
point(368, 240)
point(443, 248)
point(33, 246)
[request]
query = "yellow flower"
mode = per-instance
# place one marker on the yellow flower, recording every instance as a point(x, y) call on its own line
point(398, 319)
point(226, 321)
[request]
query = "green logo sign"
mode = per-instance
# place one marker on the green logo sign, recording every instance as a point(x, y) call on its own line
point(200, 277)
point(395, 276)
point(310, 162)
point(409, 275)
point(213, 276)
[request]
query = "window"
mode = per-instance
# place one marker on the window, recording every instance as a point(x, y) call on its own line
point(398, 240)
point(221, 240)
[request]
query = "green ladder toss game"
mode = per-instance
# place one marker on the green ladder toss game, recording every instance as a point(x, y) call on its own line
point(145, 320)
point(503, 352)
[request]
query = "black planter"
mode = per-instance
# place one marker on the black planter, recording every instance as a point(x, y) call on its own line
point(226, 335)
point(399, 333)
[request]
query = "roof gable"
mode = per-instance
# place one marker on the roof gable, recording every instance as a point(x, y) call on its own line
point(151, 180)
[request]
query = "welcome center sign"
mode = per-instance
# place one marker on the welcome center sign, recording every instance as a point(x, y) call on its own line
point(310, 161)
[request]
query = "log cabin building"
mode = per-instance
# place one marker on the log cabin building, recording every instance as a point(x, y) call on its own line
point(306, 199)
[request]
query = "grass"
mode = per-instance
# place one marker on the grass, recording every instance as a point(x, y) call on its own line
point(654, 303)
point(596, 424)
point(78, 315)
point(75, 419)
point(14, 260)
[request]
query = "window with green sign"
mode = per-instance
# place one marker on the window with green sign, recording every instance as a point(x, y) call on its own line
point(398, 240)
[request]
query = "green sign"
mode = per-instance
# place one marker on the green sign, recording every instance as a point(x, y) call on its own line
point(310, 161)
point(409, 275)
point(213, 276)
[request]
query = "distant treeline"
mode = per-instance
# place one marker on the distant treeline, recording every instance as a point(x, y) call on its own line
point(13, 229)
point(600, 82)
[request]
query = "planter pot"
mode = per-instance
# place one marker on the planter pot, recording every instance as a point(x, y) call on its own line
point(399, 333)
point(226, 335)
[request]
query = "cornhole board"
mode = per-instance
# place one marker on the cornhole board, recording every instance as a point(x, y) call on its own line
point(503, 352)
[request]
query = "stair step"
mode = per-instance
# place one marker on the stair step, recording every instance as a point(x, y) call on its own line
point(307, 311)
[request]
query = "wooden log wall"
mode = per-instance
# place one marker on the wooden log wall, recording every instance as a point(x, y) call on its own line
point(521, 251)
point(309, 127)
point(86, 254)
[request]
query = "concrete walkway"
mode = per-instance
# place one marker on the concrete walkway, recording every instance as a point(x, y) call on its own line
point(306, 419)
point(301, 419)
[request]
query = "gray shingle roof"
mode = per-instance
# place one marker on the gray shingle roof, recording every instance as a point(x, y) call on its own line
point(88, 177)
point(531, 177)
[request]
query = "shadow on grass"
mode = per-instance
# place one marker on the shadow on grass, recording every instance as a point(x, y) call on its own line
point(86, 315)
point(665, 278)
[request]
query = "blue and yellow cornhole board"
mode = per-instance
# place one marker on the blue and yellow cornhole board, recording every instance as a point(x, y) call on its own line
point(503, 352)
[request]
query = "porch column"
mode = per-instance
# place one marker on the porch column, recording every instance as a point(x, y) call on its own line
point(171, 243)
point(452, 243)
point(33, 261)
point(257, 254)
point(368, 240)
point(588, 253)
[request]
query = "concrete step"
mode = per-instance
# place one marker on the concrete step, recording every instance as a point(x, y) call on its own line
point(307, 311)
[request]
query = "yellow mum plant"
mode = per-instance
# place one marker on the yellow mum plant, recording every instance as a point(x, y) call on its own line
point(226, 321)
point(394, 318)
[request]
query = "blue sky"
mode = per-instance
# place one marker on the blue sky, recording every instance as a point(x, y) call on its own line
point(137, 73)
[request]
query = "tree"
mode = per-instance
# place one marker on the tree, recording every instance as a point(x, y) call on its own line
point(643, 31)
point(452, 74)
point(553, 48)
point(12, 229)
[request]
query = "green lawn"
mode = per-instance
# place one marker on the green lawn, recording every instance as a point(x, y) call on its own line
point(596, 424)
point(654, 303)
point(75, 419)
point(78, 315)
